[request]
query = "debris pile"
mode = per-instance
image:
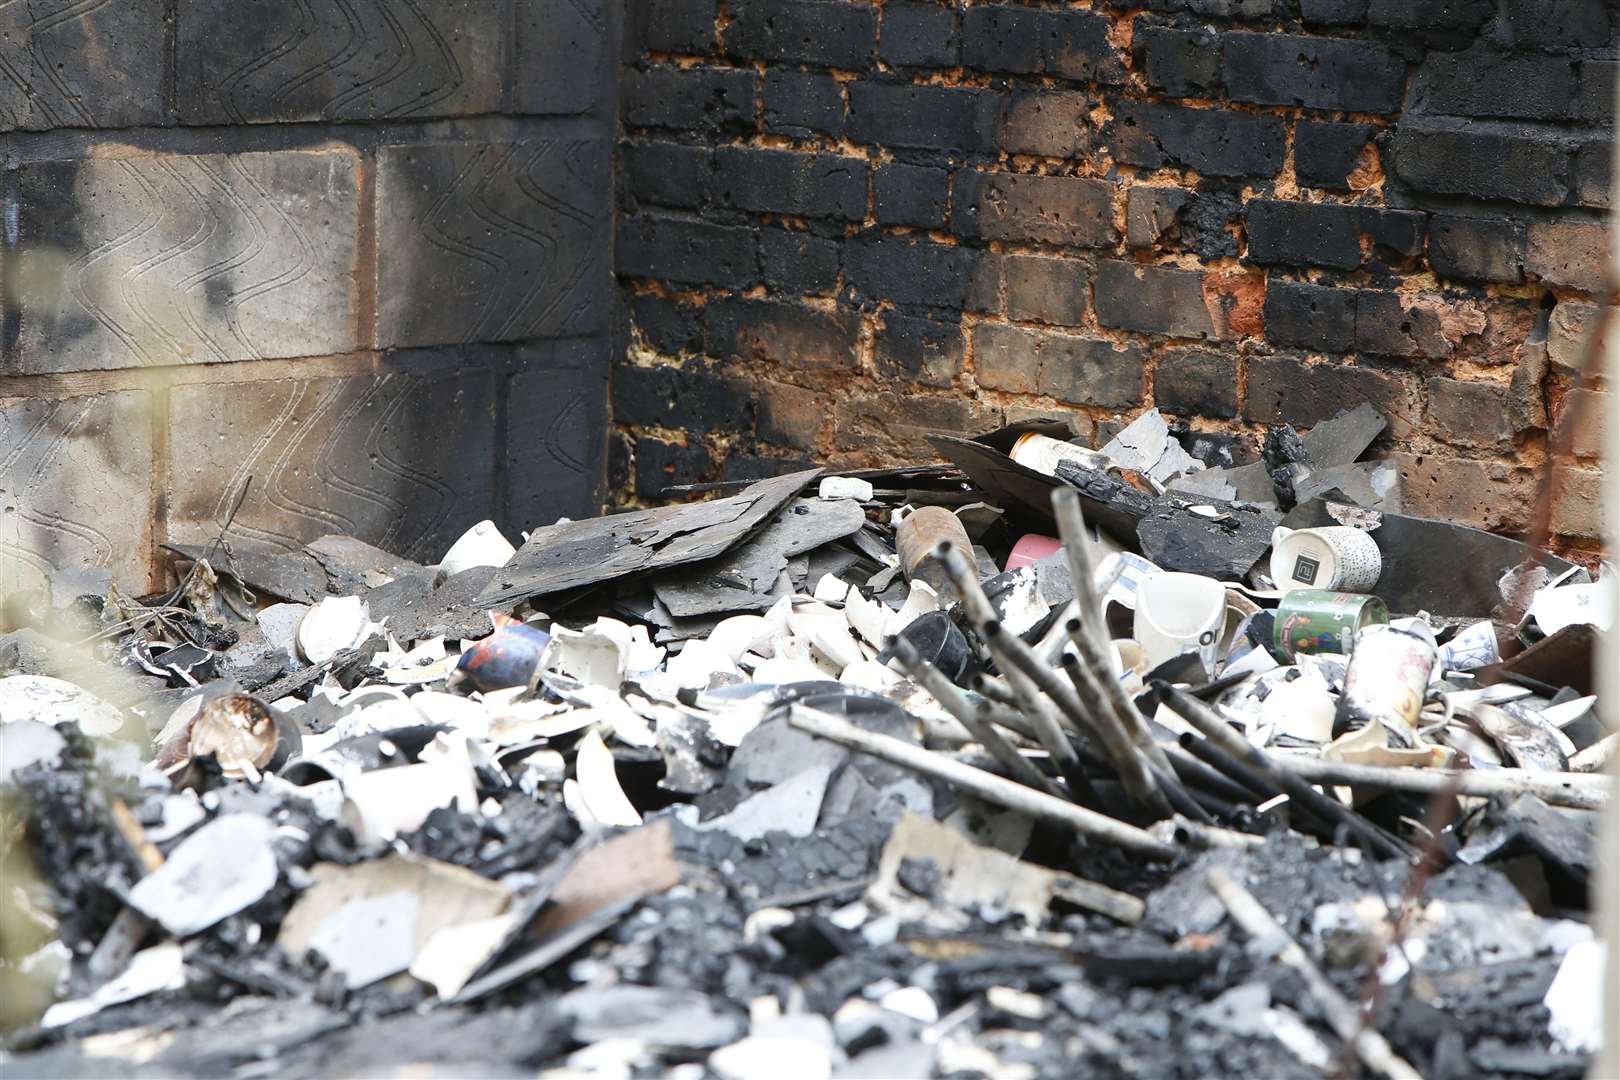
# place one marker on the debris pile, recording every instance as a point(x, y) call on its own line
point(1138, 760)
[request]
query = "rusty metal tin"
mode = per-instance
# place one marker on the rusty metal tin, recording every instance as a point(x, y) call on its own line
point(1386, 681)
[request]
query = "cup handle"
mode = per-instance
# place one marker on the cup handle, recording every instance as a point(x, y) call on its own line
point(1279, 534)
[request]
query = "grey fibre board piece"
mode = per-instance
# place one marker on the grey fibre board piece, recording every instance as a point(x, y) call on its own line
point(1338, 441)
point(745, 579)
point(572, 554)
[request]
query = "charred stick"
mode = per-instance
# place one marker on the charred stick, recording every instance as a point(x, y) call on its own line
point(1581, 791)
point(987, 786)
point(1201, 779)
point(1299, 791)
point(948, 695)
point(1258, 789)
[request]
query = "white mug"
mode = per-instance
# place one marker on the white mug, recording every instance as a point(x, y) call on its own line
point(1335, 557)
point(1178, 612)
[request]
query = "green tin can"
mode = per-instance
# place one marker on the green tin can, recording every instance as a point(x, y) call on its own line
point(1321, 620)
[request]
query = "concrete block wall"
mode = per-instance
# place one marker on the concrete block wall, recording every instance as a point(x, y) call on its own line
point(321, 266)
point(846, 223)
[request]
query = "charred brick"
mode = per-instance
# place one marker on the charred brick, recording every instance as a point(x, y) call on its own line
point(1316, 72)
point(1595, 98)
point(668, 174)
point(919, 35)
point(919, 350)
point(1526, 167)
point(1050, 123)
point(1209, 223)
point(1484, 82)
point(1392, 324)
point(1007, 358)
point(1555, 24)
point(1470, 413)
point(1194, 382)
point(1214, 142)
point(911, 195)
point(1089, 371)
point(782, 333)
point(667, 396)
point(1304, 234)
point(1046, 290)
point(791, 261)
point(786, 182)
point(1286, 389)
point(788, 415)
point(911, 271)
point(751, 467)
point(689, 99)
point(839, 35)
point(1477, 249)
point(1333, 12)
point(685, 251)
point(1326, 154)
point(1153, 299)
point(1395, 234)
point(1182, 63)
point(1031, 41)
point(661, 464)
point(677, 26)
point(924, 117)
point(1063, 210)
point(1594, 168)
point(802, 104)
point(1444, 21)
point(1313, 317)
point(1152, 214)
point(668, 326)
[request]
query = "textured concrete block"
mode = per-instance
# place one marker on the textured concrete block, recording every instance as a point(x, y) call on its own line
point(260, 61)
point(556, 432)
point(75, 488)
point(168, 259)
point(65, 64)
point(492, 241)
point(564, 55)
point(402, 460)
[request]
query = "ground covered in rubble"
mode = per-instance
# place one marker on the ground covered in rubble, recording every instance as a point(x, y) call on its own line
point(777, 785)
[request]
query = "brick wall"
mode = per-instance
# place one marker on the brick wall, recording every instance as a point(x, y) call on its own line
point(353, 260)
point(844, 224)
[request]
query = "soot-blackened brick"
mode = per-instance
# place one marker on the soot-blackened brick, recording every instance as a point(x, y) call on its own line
point(661, 464)
point(837, 34)
point(1154, 299)
point(928, 351)
point(1524, 166)
point(1196, 382)
point(785, 182)
point(1208, 223)
point(1447, 22)
point(783, 333)
point(1285, 389)
point(919, 35)
point(1090, 371)
point(1470, 413)
point(1313, 317)
point(791, 261)
point(668, 174)
point(686, 251)
point(1212, 141)
point(1326, 154)
point(802, 104)
point(1595, 101)
point(1333, 12)
point(1316, 72)
point(1182, 63)
point(1152, 214)
point(1007, 358)
point(1555, 24)
point(1594, 171)
point(1304, 234)
point(1394, 234)
point(1050, 123)
point(1391, 324)
point(1030, 41)
point(695, 99)
point(1485, 82)
point(911, 271)
point(1477, 249)
point(1063, 210)
point(961, 119)
point(911, 195)
point(1046, 290)
point(674, 397)
point(668, 326)
point(677, 26)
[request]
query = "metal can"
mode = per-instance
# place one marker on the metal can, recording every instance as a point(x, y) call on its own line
point(1321, 620)
point(1386, 681)
point(1042, 453)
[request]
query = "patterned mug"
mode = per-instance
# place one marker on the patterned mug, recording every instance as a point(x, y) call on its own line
point(1336, 557)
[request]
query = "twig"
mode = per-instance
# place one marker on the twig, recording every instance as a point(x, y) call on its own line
point(987, 786)
point(1582, 791)
point(1341, 1014)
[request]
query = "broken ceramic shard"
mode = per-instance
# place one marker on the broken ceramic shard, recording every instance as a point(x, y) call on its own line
point(223, 867)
